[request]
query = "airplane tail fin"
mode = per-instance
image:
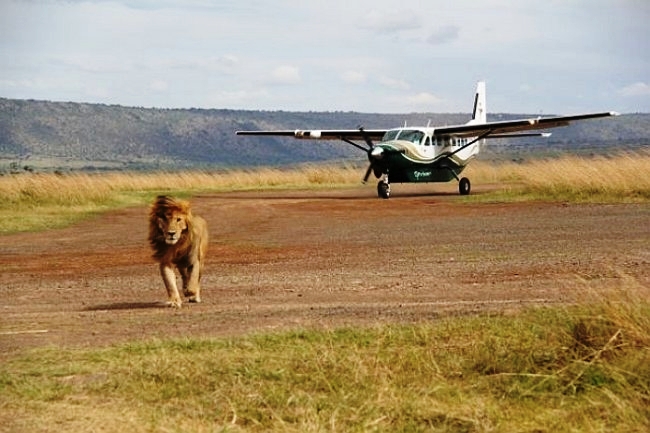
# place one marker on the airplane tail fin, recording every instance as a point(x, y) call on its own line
point(479, 113)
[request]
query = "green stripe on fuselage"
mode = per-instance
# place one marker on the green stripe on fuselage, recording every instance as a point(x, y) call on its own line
point(402, 169)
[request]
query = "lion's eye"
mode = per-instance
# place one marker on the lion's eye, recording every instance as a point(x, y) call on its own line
point(178, 220)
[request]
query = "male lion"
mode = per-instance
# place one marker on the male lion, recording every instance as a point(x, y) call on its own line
point(179, 240)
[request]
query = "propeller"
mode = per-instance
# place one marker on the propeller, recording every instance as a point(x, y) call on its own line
point(373, 154)
point(367, 175)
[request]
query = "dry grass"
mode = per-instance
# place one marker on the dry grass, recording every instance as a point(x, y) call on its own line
point(81, 188)
point(41, 201)
point(576, 368)
point(619, 178)
point(623, 175)
point(566, 369)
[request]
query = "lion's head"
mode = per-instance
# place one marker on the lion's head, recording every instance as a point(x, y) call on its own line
point(169, 220)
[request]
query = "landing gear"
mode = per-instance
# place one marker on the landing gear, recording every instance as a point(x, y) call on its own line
point(383, 189)
point(464, 186)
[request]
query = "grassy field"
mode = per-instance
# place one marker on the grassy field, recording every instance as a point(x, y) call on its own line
point(31, 202)
point(619, 178)
point(579, 368)
point(573, 369)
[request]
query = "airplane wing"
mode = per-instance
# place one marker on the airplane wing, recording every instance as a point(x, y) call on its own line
point(503, 129)
point(512, 127)
point(325, 134)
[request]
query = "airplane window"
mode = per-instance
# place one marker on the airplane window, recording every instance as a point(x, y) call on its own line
point(427, 142)
point(411, 135)
point(390, 135)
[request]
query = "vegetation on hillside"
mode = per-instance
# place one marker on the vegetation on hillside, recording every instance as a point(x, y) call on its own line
point(40, 135)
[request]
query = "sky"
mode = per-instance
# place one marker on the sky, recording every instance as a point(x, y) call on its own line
point(384, 56)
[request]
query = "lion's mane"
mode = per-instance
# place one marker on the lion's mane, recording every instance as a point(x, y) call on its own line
point(160, 208)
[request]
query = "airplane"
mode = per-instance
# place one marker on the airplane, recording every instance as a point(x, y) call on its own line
point(432, 154)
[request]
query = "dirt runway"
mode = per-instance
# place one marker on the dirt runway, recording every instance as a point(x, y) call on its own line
point(297, 259)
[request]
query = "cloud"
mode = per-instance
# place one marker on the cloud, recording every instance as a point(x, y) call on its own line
point(227, 64)
point(384, 22)
point(364, 52)
point(285, 75)
point(423, 99)
point(153, 5)
point(525, 87)
point(159, 85)
point(636, 89)
point(415, 102)
point(93, 63)
point(394, 83)
point(235, 99)
point(100, 92)
point(353, 77)
point(444, 34)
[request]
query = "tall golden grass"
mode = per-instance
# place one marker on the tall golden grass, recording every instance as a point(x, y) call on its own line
point(40, 201)
point(36, 201)
point(621, 177)
point(81, 188)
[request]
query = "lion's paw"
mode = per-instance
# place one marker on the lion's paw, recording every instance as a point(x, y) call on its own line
point(173, 303)
point(194, 299)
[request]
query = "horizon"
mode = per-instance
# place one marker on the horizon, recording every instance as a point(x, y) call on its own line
point(286, 111)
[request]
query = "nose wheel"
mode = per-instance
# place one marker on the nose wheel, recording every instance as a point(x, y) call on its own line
point(383, 189)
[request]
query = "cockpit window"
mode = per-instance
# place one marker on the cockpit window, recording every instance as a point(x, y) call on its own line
point(411, 135)
point(390, 135)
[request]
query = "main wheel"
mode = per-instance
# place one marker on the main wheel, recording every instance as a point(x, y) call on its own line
point(464, 186)
point(383, 189)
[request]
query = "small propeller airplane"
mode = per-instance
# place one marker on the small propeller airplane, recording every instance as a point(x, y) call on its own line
point(432, 154)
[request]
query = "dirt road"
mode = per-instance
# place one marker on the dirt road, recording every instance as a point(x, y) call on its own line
point(281, 260)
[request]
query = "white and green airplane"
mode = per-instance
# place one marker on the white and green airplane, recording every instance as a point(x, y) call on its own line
point(432, 154)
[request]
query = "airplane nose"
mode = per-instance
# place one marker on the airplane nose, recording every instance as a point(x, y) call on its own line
point(377, 153)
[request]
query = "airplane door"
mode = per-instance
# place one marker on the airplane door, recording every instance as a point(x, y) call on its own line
point(429, 148)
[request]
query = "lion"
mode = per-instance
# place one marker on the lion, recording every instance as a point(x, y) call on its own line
point(179, 240)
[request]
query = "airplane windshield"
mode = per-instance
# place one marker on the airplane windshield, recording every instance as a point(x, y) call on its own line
point(390, 135)
point(411, 135)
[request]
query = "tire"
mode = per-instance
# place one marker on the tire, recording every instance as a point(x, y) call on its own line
point(383, 190)
point(464, 186)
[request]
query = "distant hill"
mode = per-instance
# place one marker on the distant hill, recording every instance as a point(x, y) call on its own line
point(62, 135)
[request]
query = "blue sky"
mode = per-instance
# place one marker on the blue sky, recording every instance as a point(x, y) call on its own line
point(541, 57)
